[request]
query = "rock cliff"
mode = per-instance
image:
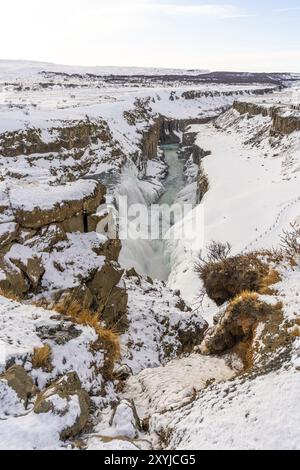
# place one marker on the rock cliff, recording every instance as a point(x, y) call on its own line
point(285, 119)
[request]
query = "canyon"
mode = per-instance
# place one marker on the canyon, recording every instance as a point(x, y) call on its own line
point(94, 327)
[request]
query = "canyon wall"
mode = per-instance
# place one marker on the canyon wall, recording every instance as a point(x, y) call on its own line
point(285, 119)
point(193, 94)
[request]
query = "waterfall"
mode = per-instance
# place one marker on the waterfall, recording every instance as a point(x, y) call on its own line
point(148, 256)
point(138, 253)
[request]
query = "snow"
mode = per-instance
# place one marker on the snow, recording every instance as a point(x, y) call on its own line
point(155, 321)
point(38, 431)
point(253, 195)
point(34, 195)
point(10, 404)
point(157, 390)
point(259, 414)
point(104, 443)
point(68, 255)
point(22, 328)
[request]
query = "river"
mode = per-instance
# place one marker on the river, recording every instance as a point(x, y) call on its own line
point(148, 256)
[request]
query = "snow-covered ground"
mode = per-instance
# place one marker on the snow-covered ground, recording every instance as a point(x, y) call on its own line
point(253, 195)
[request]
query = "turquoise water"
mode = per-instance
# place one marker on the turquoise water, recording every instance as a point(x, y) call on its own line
point(175, 179)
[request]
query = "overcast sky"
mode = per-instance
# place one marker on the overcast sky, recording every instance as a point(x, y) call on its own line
point(252, 35)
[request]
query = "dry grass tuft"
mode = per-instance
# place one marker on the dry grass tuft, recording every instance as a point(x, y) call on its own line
point(244, 296)
point(10, 295)
point(41, 358)
point(108, 339)
point(295, 331)
point(273, 277)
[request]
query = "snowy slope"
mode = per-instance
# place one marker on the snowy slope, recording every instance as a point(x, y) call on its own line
point(254, 190)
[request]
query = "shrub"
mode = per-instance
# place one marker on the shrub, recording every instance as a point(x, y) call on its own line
point(225, 277)
point(290, 241)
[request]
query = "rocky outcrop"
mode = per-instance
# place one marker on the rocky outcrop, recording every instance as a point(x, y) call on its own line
point(193, 94)
point(285, 119)
point(13, 281)
point(202, 184)
point(161, 325)
point(59, 397)
point(20, 381)
point(252, 109)
point(193, 154)
point(286, 123)
point(235, 327)
point(40, 205)
point(169, 131)
point(44, 250)
point(164, 131)
point(32, 269)
point(68, 150)
point(76, 135)
point(226, 277)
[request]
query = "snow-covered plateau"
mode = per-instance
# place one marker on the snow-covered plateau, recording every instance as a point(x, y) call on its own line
point(183, 343)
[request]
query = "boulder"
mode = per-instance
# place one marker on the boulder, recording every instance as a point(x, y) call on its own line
point(52, 235)
point(111, 297)
point(73, 224)
point(19, 380)
point(59, 397)
point(110, 249)
point(12, 280)
point(8, 233)
point(32, 268)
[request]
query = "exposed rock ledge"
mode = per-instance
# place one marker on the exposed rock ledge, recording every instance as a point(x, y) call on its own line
point(49, 246)
point(36, 205)
point(285, 120)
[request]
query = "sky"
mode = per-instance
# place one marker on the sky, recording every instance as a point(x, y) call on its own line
point(254, 36)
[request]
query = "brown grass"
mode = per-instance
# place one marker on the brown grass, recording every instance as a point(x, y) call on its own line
point(10, 295)
point(243, 296)
point(41, 358)
point(273, 277)
point(108, 339)
point(295, 331)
